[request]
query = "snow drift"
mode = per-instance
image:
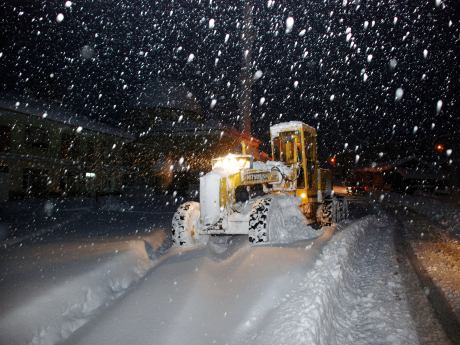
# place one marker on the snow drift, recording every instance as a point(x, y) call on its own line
point(52, 316)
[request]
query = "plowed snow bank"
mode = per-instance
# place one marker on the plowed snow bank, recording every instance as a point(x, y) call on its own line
point(353, 295)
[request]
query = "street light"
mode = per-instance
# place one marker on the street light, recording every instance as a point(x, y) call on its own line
point(439, 148)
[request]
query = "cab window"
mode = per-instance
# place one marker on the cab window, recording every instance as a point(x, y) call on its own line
point(284, 148)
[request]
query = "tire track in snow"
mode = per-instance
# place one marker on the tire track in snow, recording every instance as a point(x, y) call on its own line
point(435, 294)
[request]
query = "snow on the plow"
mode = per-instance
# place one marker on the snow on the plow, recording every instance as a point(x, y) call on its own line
point(286, 222)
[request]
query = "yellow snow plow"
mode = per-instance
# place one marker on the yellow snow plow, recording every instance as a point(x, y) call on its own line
point(238, 195)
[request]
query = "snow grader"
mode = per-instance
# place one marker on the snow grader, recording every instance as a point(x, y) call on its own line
point(237, 196)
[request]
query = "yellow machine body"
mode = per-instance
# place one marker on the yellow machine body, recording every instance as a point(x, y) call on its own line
point(293, 145)
point(236, 196)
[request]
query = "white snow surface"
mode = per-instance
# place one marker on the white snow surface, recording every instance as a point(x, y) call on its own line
point(437, 210)
point(286, 222)
point(351, 296)
point(338, 289)
point(51, 315)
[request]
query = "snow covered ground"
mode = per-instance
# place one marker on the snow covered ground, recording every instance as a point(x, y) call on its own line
point(444, 211)
point(57, 273)
point(346, 286)
point(430, 227)
point(52, 312)
point(341, 288)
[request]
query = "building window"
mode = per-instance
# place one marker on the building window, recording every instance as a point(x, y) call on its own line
point(70, 146)
point(35, 182)
point(37, 137)
point(5, 138)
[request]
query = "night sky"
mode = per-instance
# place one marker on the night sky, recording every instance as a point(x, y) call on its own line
point(370, 74)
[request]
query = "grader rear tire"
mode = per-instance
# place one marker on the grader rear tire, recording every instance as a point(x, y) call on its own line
point(324, 214)
point(332, 210)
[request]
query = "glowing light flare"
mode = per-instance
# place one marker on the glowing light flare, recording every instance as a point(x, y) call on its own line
point(439, 148)
point(232, 163)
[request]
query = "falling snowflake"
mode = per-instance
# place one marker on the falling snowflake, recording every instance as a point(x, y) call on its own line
point(438, 106)
point(399, 93)
point(258, 75)
point(190, 58)
point(289, 24)
point(212, 23)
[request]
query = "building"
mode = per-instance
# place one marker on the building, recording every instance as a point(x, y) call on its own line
point(47, 151)
point(175, 141)
point(404, 175)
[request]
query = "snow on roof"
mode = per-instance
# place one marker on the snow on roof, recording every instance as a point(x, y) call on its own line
point(56, 113)
point(289, 126)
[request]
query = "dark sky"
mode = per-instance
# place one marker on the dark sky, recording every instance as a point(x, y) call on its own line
point(100, 55)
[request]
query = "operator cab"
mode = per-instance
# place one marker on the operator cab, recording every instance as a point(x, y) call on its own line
point(295, 143)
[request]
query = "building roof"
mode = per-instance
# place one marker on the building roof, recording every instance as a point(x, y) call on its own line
point(53, 112)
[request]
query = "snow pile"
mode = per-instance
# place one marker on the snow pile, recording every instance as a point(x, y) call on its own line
point(54, 315)
point(286, 223)
point(353, 295)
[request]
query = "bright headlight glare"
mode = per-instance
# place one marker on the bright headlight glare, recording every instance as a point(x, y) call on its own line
point(231, 163)
point(243, 163)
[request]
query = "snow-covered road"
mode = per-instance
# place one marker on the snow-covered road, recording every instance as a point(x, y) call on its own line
point(52, 284)
point(347, 286)
point(341, 289)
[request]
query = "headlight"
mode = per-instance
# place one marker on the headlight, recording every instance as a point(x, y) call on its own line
point(232, 163)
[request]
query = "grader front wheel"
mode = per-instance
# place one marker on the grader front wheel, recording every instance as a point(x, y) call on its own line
point(185, 226)
point(258, 221)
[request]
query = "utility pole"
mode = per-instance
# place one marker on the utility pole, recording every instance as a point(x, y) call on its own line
point(247, 39)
